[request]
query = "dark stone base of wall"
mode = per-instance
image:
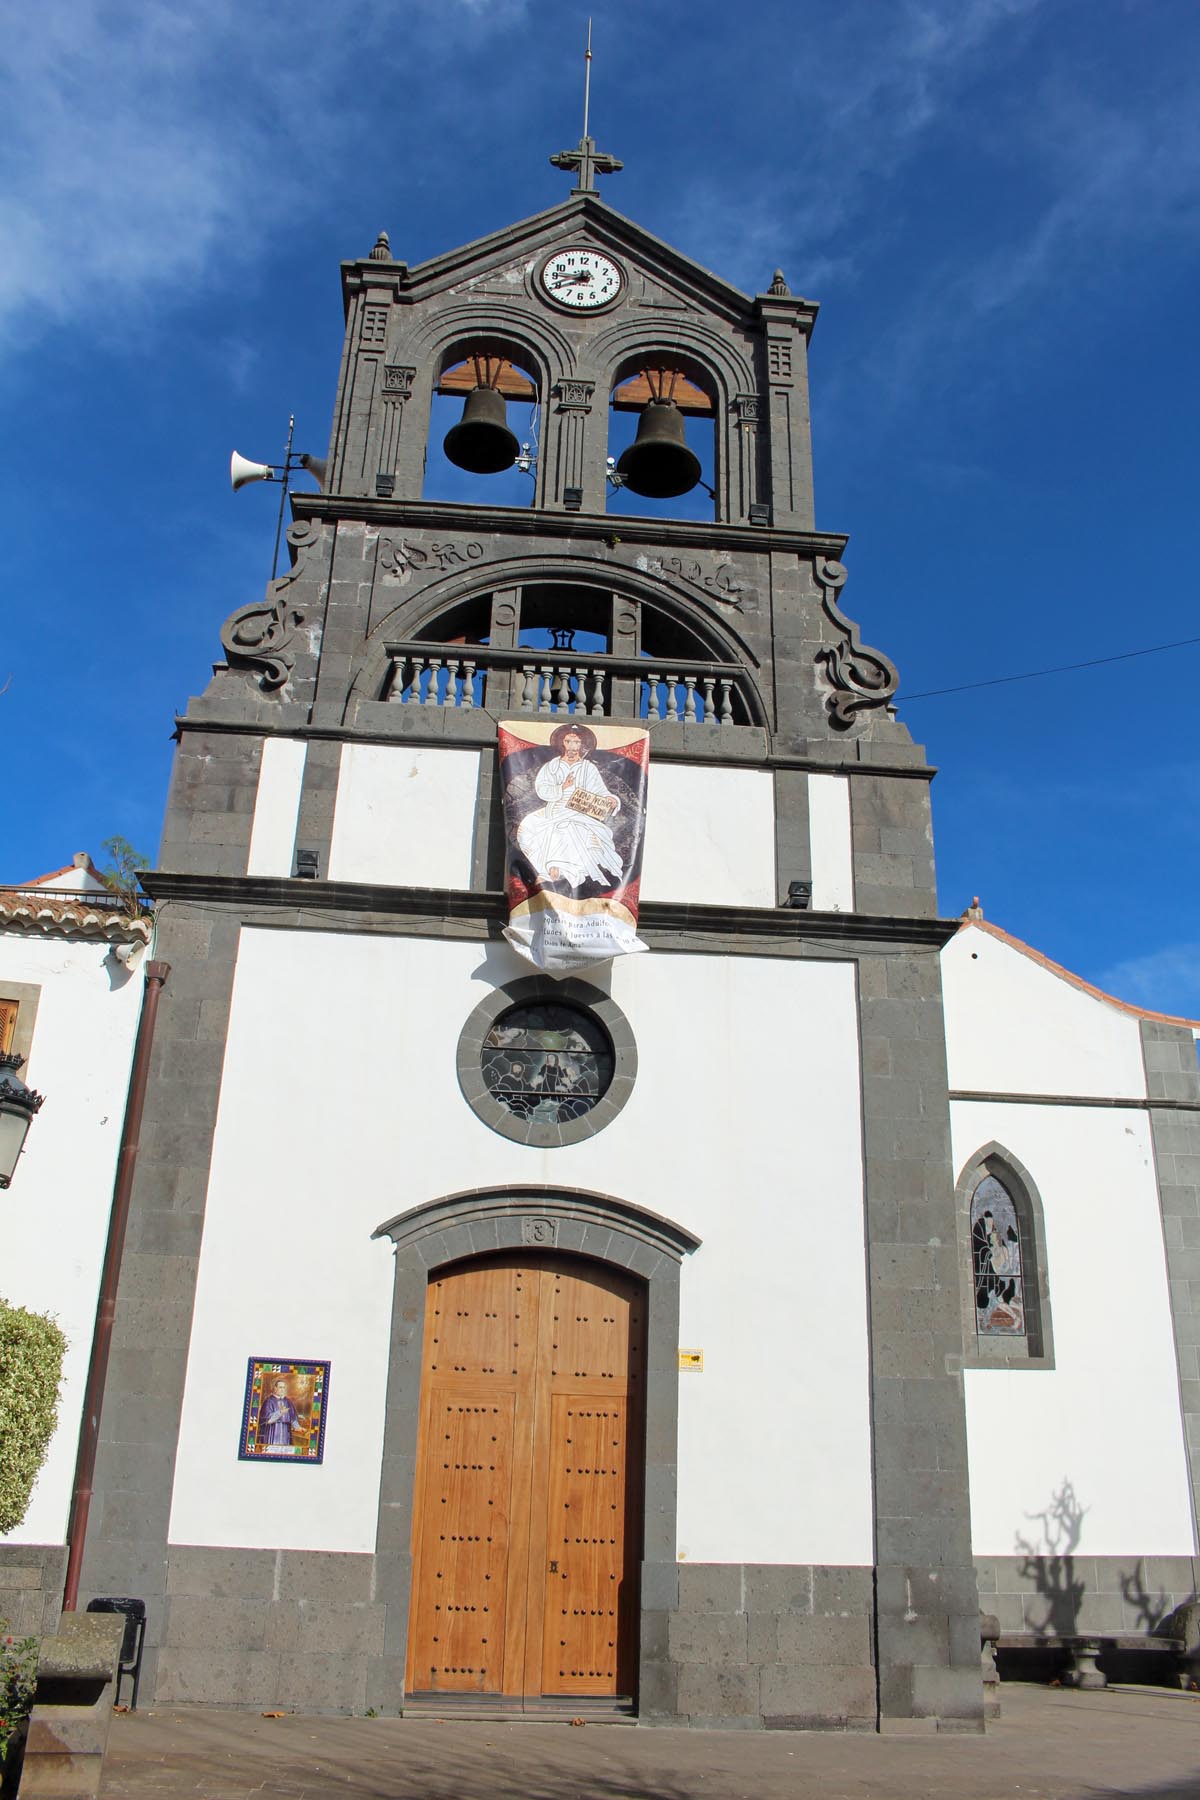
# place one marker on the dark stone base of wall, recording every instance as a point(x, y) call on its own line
point(758, 1646)
point(748, 1646)
point(31, 1587)
point(272, 1629)
point(1066, 1594)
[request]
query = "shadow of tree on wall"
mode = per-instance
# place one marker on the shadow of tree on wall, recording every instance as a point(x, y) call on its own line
point(1048, 1560)
point(1149, 1609)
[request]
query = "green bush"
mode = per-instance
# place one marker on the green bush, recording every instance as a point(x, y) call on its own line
point(18, 1679)
point(31, 1359)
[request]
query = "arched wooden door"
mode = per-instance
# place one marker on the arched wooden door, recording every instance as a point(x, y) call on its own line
point(527, 1521)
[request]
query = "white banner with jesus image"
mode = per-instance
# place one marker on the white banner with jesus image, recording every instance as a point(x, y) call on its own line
point(574, 809)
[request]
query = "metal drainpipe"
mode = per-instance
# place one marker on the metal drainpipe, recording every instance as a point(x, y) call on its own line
point(89, 1437)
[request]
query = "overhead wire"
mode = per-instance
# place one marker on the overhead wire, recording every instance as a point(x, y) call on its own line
point(1093, 662)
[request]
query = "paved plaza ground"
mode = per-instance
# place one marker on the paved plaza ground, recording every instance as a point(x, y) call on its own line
point(1050, 1744)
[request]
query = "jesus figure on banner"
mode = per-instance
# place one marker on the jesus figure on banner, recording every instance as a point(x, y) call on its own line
point(569, 839)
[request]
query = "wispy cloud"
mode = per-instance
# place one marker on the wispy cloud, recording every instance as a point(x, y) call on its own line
point(150, 144)
point(893, 76)
point(1166, 980)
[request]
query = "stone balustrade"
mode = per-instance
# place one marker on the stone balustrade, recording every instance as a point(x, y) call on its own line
point(549, 682)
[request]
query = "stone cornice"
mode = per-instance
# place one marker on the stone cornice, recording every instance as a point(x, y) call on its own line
point(741, 929)
point(477, 730)
point(542, 522)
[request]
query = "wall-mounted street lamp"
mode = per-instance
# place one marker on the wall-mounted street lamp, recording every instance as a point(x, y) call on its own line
point(18, 1104)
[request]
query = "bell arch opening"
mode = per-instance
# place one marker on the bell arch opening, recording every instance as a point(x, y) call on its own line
point(662, 440)
point(567, 644)
point(484, 426)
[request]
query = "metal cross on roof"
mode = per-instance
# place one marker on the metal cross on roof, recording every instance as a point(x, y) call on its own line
point(585, 157)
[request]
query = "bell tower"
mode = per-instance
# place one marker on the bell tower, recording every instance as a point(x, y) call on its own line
point(749, 1125)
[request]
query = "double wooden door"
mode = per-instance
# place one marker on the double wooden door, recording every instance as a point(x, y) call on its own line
point(529, 1480)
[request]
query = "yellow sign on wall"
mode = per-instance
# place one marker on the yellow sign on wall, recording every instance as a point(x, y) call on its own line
point(692, 1360)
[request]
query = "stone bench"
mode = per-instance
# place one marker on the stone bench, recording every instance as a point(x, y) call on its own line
point(1078, 1651)
point(72, 1708)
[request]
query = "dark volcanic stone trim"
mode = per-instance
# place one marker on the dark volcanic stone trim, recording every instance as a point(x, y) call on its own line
point(927, 1608)
point(541, 990)
point(728, 928)
point(126, 1551)
point(379, 722)
point(567, 1221)
point(484, 521)
point(1133, 1103)
point(31, 1587)
point(1173, 1086)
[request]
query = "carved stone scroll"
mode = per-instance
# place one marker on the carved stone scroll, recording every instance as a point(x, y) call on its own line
point(262, 636)
point(860, 677)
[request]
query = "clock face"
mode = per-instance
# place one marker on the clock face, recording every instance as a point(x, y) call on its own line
point(582, 280)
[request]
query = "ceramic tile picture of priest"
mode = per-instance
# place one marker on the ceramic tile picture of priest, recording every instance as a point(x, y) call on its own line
point(283, 1418)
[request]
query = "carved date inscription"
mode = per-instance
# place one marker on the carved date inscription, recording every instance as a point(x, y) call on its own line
point(718, 581)
point(399, 557)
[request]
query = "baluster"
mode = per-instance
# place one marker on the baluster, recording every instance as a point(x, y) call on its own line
point(431, 692)
point(414, 688)
point(396, 690)
point(451, 682)
point(528, 686)
point(689, 704)
point(653, 703)
point(468, 693)
point(596, 703)
point(547, 688)
point(672, 697)
point(726, 700)
point(710, 711)
point(562, 687)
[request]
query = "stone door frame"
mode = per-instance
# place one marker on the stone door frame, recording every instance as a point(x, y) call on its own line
point(529, 1219)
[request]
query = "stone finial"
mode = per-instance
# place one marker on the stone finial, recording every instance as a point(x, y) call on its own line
point(383, 249)
point(778, 284)
point(974, 911)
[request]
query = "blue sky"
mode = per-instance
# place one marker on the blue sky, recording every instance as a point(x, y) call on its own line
point(997, 203)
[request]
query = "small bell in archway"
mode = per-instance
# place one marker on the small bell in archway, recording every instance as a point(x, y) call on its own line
point(481, 441)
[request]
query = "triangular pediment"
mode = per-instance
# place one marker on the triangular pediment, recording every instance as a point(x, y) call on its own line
point(662, 279)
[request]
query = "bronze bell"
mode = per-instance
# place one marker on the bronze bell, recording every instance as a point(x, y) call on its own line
point(659, 463)
point(481, 441)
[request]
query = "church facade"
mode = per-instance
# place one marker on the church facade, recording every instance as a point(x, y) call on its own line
point(679, 1334)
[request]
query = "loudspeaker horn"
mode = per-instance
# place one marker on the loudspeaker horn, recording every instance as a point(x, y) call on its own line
point(241, 471)
point(317, 467)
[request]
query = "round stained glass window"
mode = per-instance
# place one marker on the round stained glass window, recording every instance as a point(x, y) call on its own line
point(547, 1064)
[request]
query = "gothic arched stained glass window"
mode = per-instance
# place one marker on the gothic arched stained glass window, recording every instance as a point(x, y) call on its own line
point(996, 1261)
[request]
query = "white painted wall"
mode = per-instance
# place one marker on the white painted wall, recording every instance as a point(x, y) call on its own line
point(55, 1214)
point(1013, 1026)
point(830, 843)
point(710, 835)
point(277, 806)
point(743, 1125)
point(1107, 1416)
point(404, 815)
